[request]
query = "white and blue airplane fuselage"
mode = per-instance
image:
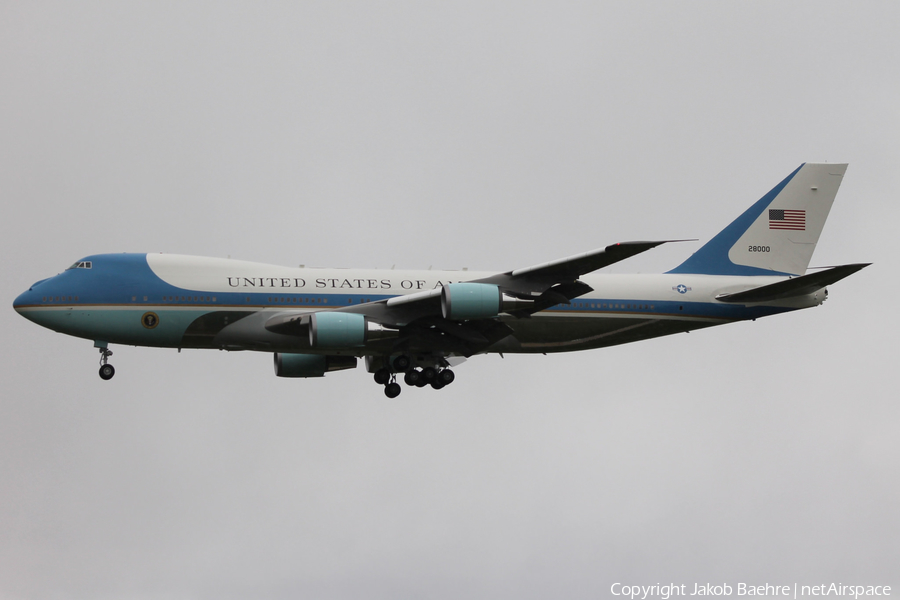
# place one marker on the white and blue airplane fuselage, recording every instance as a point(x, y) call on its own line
point(419, 323)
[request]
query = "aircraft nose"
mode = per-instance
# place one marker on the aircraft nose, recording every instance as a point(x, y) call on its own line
point(23, 300)
point(27, 298)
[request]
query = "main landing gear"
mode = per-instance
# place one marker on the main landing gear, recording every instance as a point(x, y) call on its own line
point(437, 378)
point(106, 370)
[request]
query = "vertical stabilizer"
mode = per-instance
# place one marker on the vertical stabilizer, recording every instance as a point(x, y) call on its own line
point(778, 234)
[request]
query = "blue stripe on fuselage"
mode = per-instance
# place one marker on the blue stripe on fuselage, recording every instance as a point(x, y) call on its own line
point(112, 279)
point(127, 279)
point(667, 308)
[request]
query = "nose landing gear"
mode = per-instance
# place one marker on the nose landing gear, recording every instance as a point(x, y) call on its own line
point(106, 370)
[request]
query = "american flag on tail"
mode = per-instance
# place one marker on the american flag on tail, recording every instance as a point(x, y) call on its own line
point(780, 218)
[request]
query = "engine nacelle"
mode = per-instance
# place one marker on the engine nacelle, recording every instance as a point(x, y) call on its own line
point(461, 301)
point(310, 365)
point(334, 329)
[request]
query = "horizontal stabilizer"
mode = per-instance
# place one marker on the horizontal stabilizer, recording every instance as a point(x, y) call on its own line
point(797, 286)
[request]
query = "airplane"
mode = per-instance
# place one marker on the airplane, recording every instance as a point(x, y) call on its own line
point(419, 324)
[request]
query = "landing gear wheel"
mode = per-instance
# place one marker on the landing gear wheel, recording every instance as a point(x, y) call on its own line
point(392, 390)
point(421, 382)
point(428, 374)
point(106, 372)
point(412, 377)
point(446, 377)
point(437, 384)
point(382, 376)
point(401, 363)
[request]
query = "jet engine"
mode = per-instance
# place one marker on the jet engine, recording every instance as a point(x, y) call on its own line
point(461, 301)
point(310, 365)
point(335, 329)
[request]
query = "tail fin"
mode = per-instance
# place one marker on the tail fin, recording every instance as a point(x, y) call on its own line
point(777, 235)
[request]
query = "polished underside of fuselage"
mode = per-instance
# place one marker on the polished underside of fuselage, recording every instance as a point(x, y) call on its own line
point(234, 329)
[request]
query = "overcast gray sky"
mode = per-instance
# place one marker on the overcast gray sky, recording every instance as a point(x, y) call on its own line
point(486, 135)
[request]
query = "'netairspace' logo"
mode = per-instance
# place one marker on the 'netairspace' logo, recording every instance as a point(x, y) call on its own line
point(671, 590)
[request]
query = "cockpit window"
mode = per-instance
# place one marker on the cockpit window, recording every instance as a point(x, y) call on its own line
point(82, 264)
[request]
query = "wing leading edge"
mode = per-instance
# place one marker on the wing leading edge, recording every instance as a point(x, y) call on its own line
point(546, 284)
point(521, 292)
point(537, 279)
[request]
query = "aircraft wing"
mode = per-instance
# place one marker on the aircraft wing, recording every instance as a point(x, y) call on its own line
point(547, 283)
point(521, 291)
point(537, 279)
